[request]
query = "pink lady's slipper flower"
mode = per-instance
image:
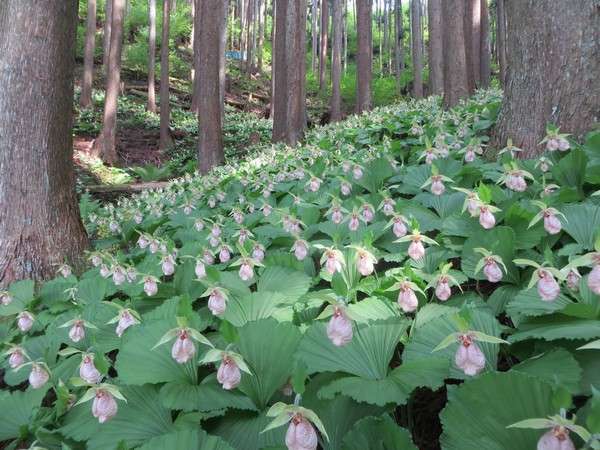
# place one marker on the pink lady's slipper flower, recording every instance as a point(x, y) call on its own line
point(25, 321)
point(492, 271)
point(552, 223)
point(407, 299)
point(469, 357)
point(229, 374)
point(365, 262)
point(300, 249)
point(16, 357)
point(77, 331)
point(547, 286)
point(442, 288)
point(183, 348)
point(258, 253)
point(416, 249)
point(301, 435)
point(38, 376)
point(357, 172)
point(5, 298)
point(345, 188)
point(104, 406)
point(150, 286)
point(88, 371)
point(126, 319)
point(217, 301)
point(339, 328)
point(486, 218)
point(556, 439)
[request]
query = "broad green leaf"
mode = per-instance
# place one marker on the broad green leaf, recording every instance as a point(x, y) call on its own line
point(252, 307)
point(555, 327)
point(366, 356)
point(188, 439)
point(291, 283)
point(378, 433)
point(242, 430)
point(583, 223)
point(529, 303)
point(468, 424)
point(17, 410)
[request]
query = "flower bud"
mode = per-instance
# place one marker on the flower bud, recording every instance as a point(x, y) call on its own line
point(258, 253)
point(217, 303)
point(104, 405)
point(336, 216)
point(486, 218)
point(77, 331)
point(416, 250)
point(442, 289)
point(593, 280)
point(38, 376)
point(16, 358)
point(407, 299)
point(399, 227)
point(183, 348)
point(24, 321)
point(246, 272)
point(469, 357)
point(346, 188)
point(224, 255)
point(88, 371)
point(150, 286)
point(5, 298)
point(367, 213)
point(573, 280)
point(104, 271)
point(215, 231)
point(301, 435)
point(437, 187)
point(551, 223)
point(339, 328)
point(168, 265)
point(314, 184)
point(556, 439)
point(208, 257)
point(469, 156)
point(547, 286)
point(388, 207)
point(492, 271)
point(229, 374)
point(300, 250)
point(118, 275)
point(357, 172)
point(125, 321)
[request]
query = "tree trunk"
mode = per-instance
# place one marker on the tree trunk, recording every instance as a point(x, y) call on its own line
point(501, 38)
point(314, 35)
point(436, 55)
point(222, 61)
point(553, 65)
point(345, 38)
point(88, 61)
point(249, 27)
point(485, 47)
point(107, 141)
point(468, 36)
point(151, 55)
point(456, 84)
point(210, 115)
point(261, 34)
point(364, 55)
point(475, 6)
point(106, 34)
point(416, 47)
point(196, 61)
point(398, 43)
point(324, 38)
point(165, 110)
point(40, 226)
point(336, 62)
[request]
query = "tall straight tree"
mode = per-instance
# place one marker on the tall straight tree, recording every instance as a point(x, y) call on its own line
point(165, 110)
point(553, 65)
point(151, 56)
point(196, 57)
point(251, 6)
point(501, 38)
point(289, 97)
point(210, 114)
point(456, 70)
point(399, 40)
point(106, 144)
point(88, 60)
point(40, 226)
point(106, 31)
point(475, 12)
point(416, 47)
point(314, 33)
point(262, 7)
point(436, 56)
point(364, 57)
point(485, 46)
point(336, 62)
point(323, 43)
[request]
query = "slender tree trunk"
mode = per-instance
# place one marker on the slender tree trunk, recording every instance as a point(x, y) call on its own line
point(88, 61)
point(476, 41)
point(386, 19)
point(485, 48)
point(106, 144)
point(210, 116)
point(241, 12)
point(275, 46)
point(364, 58)
point(469, 36)
point(436, 56)
point(249, 31)
point(336, 62)
point(314, 35)
point(553, 65)
point(345, 38)
point(456, 85)
point(196, 62)
point(40, 226)
point(165, 110)
point(501, 39)
point(324, 37)
point(416, 46)
point(106, 33)
point(398, 43)
point(151, 55)
point(261, 35)
point(222, 60)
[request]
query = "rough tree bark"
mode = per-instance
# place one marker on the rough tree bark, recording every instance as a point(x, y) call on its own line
point(553, 65)
point(364, 57)
point(249, 33)
point(314, 35)
point(196, 61)
point(436, 55)
point(475, 9)
point(323, 43)
point(456, 85)
point(399, 40)
point(106, 144)
point(40, 226)
point(151, 55)
point(165, 110)
point(210, 115)
point(416, 47)
point(485, 47)
point(106, 34)
point(336, 62)
point(262, 6)
point(501, 38)
point(88, 60)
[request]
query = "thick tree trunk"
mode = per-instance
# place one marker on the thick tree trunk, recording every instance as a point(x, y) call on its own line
point(485, 47)
point(88, 60)
point(399, 40)
point(40, 226)
point(151, 55)
point(324, 43)
point(314, 34)
point(165, 110)
point(416, 48)
point(196, 51)
point(222, 61)
point(345, 38)
point(553, 65)
point(364, 57)
point(468, 36)
point(106, 34)
point(210, 115)
point(456, 70)
point(107, 141)
point(278, 96)
point(436, 55)
point(336, 62)
point(475, 6)
point(501, 38)
point(249, 32)
point(261, 34)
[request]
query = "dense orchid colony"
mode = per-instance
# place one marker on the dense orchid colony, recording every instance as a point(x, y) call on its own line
point(297, 299)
